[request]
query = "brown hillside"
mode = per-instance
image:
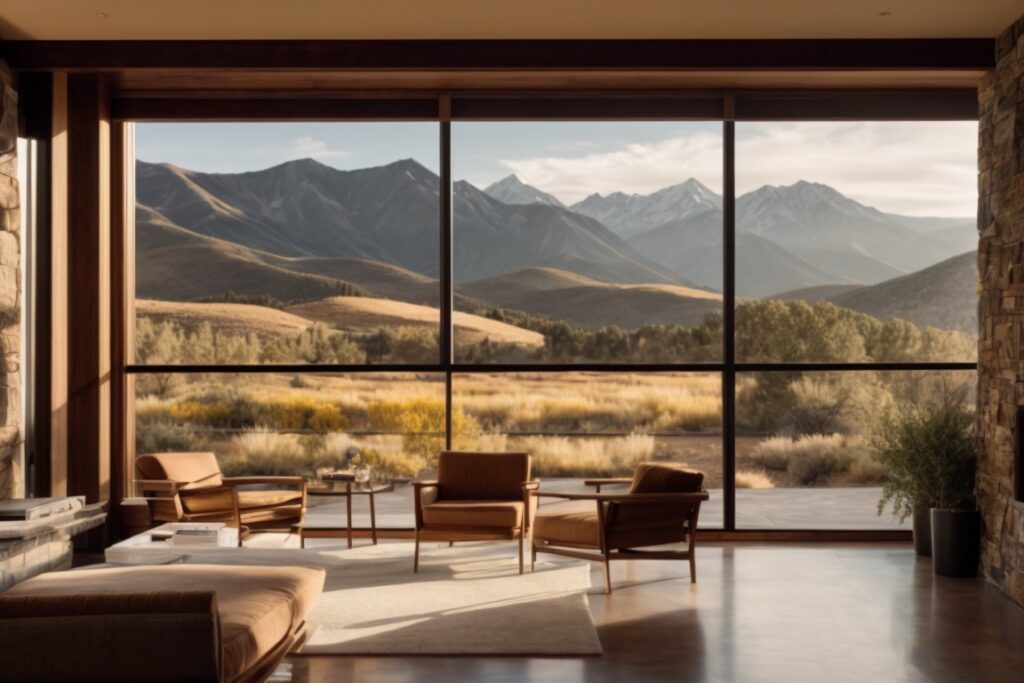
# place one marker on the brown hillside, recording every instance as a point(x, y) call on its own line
point(237, 319)
point(363, 313)
point(583, 301)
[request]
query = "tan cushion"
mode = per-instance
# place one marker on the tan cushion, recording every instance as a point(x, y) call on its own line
point(574, 522)
point(474, 513)
point(196, 470)
point(212, 500)
point(464, 475)
point(248, 499)
point(219, 500)
point(258, 606)
point(651, 477)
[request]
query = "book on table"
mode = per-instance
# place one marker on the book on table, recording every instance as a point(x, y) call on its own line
point(31, 509)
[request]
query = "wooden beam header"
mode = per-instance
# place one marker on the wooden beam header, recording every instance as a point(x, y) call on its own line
point(541, 55)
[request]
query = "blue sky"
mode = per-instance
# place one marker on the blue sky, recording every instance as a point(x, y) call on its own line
point(915, 168)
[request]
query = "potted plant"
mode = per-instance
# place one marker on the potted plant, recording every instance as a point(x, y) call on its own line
point(928, 451)
point(908, 483)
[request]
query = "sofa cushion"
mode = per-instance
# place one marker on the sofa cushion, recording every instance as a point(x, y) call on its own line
point(258, 606)
point(464, 475)
point(474, 513)
point(195, 470)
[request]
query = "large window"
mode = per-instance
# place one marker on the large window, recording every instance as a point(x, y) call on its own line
point(750, 300)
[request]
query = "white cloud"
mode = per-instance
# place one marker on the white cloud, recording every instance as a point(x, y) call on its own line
point(917, 168)
point(307, 146)
point(640, 168)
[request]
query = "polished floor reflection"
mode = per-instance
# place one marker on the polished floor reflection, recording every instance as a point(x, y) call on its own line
point(767, 613)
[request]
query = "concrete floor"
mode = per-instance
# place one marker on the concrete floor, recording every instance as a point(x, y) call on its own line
point(851, 507)
point(759, 613)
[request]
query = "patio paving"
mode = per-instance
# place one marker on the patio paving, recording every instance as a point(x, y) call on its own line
point(839, 508)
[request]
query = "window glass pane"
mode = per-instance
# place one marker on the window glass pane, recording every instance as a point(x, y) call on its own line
point(587, 241)
point(806, 454)
point(282, 424)
point(856, 241)
point(593, 424)
point(287, 243)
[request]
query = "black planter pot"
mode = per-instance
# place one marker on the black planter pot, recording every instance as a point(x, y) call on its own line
point(922, 531)
point(956, 542)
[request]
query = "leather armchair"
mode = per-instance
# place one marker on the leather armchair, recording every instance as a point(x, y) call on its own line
point(660, 508)
point(189, 487)
point(476, 497)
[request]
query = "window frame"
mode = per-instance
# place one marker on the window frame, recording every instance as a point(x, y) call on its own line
point(446, 108)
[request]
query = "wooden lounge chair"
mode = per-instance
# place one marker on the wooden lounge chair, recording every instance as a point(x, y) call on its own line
point(189, 487)
point(660, 508)
point(476, 497)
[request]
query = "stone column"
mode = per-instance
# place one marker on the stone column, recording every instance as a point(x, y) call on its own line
point(10, 295)
point(1001, 310)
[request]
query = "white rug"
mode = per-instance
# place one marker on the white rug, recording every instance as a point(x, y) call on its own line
point(469, 599)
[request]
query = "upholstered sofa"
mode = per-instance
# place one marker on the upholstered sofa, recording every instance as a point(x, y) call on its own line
point(155, 623)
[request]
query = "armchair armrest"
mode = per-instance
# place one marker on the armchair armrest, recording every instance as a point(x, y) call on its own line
point(161, 486)
point(246, 481)
point(627, 498)
point(607, 481)
point(424, 493)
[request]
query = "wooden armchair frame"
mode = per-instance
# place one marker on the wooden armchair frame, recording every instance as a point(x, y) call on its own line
point(164, 497)
point(604, 554)
point(431, 489)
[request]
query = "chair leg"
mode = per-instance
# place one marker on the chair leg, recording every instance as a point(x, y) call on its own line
point(451, 543)
point(533, 556)
point(693, 568)
point(607, 575)
point(416, 554)
point(521, 541)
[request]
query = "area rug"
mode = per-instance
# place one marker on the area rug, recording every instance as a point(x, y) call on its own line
point(465, 600)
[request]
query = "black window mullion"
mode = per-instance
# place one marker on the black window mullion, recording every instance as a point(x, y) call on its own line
point(729, 324)
point(446, 337)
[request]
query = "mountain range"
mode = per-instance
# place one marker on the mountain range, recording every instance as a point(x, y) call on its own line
point(302, 231)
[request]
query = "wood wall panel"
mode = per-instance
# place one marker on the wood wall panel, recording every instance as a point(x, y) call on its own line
point(88, 290)
point(55, 450)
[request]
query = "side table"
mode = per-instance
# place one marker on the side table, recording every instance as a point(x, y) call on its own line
point(348, 489)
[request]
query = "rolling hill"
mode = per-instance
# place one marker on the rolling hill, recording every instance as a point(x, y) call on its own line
point(590, 303)
point(360, 314)
point(238, 319)
point(942, 296)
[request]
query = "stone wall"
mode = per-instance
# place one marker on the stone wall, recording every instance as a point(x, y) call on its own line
point(1001, 313)
point(10, 295)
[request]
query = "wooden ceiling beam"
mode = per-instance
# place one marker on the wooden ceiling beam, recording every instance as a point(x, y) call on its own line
point(541, 55)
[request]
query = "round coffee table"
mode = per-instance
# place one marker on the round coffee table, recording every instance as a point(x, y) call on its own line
point(348, 489)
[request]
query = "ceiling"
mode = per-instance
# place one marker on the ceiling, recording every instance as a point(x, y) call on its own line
point(487, 19)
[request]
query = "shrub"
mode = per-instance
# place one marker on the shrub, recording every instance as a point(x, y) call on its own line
point(773, 453)
point(810, 459)
point(210, 413)
point(815, 468)
point(299, 412)
point(866, 469)
point(261, 451)
point(420, 422)
point(160, 437)
point(556, 456)
point(753, 479)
